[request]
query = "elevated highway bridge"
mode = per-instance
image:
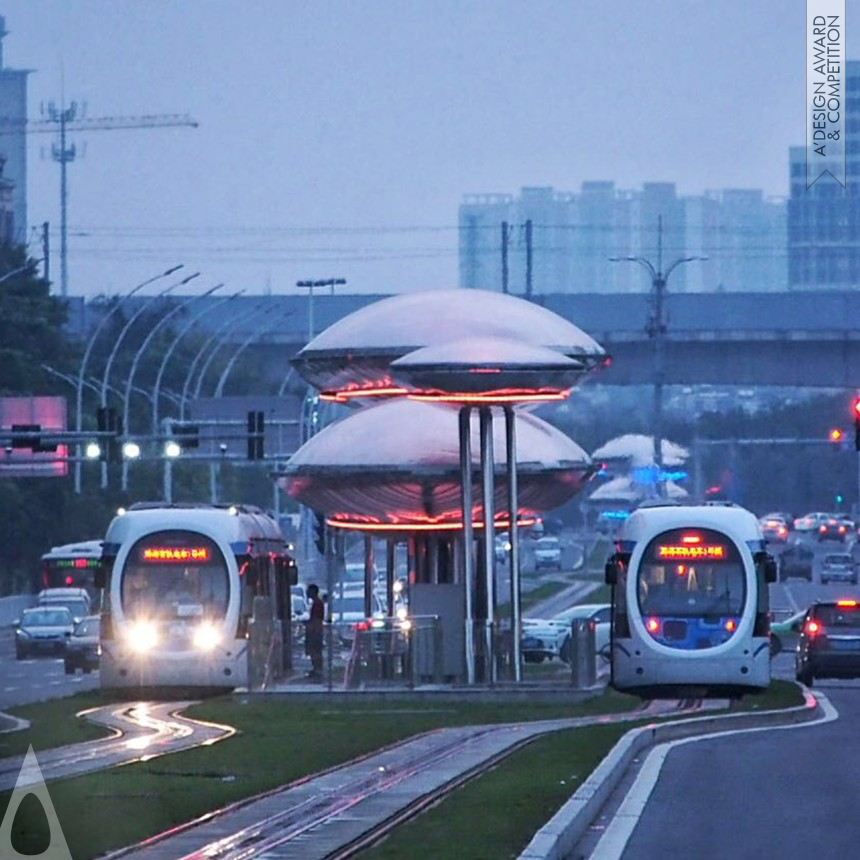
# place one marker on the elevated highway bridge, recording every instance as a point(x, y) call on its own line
point(796, 339)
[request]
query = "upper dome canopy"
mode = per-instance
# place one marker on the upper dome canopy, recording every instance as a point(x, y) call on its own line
point(357, 351)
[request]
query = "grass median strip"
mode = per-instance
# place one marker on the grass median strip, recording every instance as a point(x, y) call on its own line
point(283, 738)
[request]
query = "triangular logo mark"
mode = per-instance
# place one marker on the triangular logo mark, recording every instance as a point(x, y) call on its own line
point(31, 781)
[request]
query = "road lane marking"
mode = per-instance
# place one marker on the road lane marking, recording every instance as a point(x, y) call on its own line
point(619, 830)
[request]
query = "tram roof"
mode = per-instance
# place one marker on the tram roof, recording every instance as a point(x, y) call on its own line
point(645, 522)
point(232, 522)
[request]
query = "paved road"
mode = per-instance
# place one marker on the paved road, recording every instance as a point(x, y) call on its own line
point(23, 682)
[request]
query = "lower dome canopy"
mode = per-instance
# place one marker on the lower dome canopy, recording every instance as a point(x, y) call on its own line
point(398, 464)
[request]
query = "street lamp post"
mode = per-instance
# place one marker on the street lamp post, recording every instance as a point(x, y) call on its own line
point(309, 285)
point(169, 352)
point(121, 336)
point(250, 317)
point(86, 357)
point(656, 330)
point(140, 351)
point(219, 388)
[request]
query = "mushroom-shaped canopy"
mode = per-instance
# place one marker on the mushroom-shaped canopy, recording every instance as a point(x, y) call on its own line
point(638, 451)
point(616, 491)
point(356, 352)
point(491, 367)
point(398, 462)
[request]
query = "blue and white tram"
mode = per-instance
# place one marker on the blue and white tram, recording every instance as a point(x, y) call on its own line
point(194, 596)
point(690, 602)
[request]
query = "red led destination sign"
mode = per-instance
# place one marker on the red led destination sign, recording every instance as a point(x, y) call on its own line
point(691, 551)
point(176, 553)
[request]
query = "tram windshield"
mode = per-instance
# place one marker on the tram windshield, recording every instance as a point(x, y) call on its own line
point(691, 573)
point(175, 575)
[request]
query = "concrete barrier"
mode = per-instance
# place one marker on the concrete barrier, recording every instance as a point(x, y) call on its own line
point(12, 607)
point(560, 835)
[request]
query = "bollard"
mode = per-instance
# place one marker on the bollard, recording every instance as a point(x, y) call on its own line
point(582, 658)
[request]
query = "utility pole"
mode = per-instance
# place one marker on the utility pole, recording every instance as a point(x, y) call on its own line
point(656, 330)
point(46, 251)
point(505, 257)
point(529, 259)
point(63, 120)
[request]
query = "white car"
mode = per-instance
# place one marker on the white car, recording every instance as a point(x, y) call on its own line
point(347, 610)
point(549, 638)
point(547, 552)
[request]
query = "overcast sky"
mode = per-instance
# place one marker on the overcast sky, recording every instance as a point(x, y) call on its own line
point(337, 139)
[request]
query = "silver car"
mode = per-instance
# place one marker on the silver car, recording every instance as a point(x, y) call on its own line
point(43, 630)
point(838, 567)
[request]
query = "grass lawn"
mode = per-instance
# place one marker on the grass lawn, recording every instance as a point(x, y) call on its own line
point(282, 738)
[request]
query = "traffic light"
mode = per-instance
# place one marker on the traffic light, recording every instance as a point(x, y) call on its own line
point(186, 435)
point(857, 423)
point(319, 533)
point(33, 443)
point(837, 435)
point(256, 435)
point(109, 422)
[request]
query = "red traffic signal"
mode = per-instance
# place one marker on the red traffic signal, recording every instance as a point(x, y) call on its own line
point(857, 423)
point(837, 435)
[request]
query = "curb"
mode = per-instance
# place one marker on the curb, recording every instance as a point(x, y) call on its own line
point(560, 835)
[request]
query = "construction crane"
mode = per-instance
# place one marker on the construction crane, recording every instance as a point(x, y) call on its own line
point(62, 121)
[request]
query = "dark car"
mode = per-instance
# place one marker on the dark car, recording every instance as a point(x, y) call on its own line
point(82, 649)
point(834, 528)
point(795, 562)
point(829, 643)
point(43, 630)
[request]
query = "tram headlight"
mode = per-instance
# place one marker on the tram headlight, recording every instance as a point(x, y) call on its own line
point(143, 636)
point(206, 637)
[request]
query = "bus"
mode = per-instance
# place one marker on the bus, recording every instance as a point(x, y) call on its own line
point(73, 565)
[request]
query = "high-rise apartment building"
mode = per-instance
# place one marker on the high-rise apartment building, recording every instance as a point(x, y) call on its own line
point(13, 141)
point(824, 219)
point(561, 242)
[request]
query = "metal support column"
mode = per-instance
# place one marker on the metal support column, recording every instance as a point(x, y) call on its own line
point(368, 576)
point(488, 484)
point(390, 547)
point(467, 538)
point(513, 508)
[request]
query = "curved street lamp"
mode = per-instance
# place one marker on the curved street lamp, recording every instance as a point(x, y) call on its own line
point(169, 352)
point(121, 336)
point(88, 350)
point(656, 330)
point(219, 337)
point(140, 351)
point(219, 388)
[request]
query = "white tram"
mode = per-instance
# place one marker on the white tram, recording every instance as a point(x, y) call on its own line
point(194, 597)
point(690, 602)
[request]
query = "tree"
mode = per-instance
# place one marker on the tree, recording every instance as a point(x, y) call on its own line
point(31, 323)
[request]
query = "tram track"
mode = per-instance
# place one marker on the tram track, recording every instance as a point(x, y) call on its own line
point(140, 731)
point(338, 813)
